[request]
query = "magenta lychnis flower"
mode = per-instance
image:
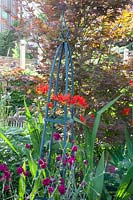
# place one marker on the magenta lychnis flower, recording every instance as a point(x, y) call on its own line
point(26, 173)
point(46, 181)
point(3, 167)
point(111, 169)
point(62, 189)
point(56, 136)
point(85, 162)
point(62, 180)
point(20, 170)
point(2, 178)
point(59, 157)
point(7, 175)
point(71, 160)
point(42, 163)
point(6, 188)
point(74, 148)
point(50, 189)
point(28, 146)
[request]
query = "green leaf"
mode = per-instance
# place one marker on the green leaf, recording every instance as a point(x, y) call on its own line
point(22, 184)
point(96, 125)
point(35, 188)
point(129, 144)
point(98, 116)
point(34, 130)
point(126, 187)
point(99, 178)
point(28, 114)
point(32, 164)
point(8, 142)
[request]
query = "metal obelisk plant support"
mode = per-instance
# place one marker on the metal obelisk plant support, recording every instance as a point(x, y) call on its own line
point(62, 62)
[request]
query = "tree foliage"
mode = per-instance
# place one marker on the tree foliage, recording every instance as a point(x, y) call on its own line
point(95, 28)
point(7, 39)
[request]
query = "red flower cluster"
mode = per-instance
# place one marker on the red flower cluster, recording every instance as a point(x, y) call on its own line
point(50, 105)
point(42, 89)
point(67, 99)
point(62, 99)
point(82, 119)
point(89, 123)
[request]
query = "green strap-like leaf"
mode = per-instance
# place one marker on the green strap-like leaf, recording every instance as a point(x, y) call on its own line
point(126, 186)
point(22, 184)
point(2, 136)
point(98, 179)
point(129, 144)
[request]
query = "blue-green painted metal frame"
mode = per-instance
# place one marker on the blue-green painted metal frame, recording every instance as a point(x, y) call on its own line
point(62, 50)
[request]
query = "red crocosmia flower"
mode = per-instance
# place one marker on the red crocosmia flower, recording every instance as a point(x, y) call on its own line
point(42, 89)
point(126, 111)
point(56, 136)
point(46, 181)
point(131, 83)
point(54, 97)
point(92, 116)
point(79, 101)
point(6, 188)
point(3, 167)
point(7, 175)
point(50, 105)
point(64, 99)
point(67, 99)
point(82, 119)
point(62, 189)
point(112, 169)
point(20, 170)
point(50, 189)
point(74, 148)
point(26, 173)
